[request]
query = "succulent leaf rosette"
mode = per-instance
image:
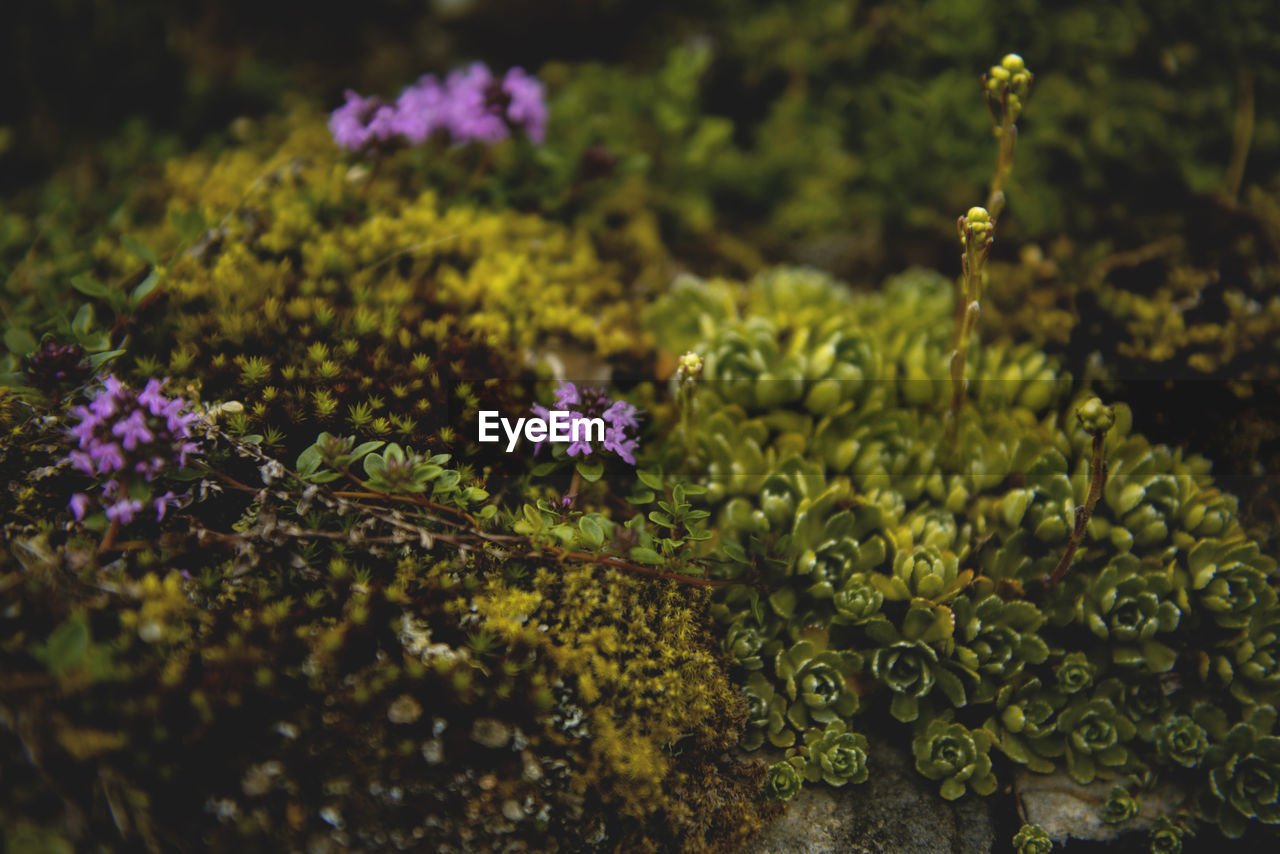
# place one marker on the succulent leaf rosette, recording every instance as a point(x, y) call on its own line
point(997, 639)
point(766, 715)
point(1128, 607)
point(1166, 836)
point(1075, 673)
point(857, 601)
point(745, 641)
point(1032, 839)
point(957, 756)
point(1244, 780)
point(1095, 733)
point(910, 669)
point(835, 755)
point(1026, 723)
point(1120, 806)
point(1230, 580)
point(924, 572)
point(1251, 663)
point(817, 683)
point(784, 780)
point(1182, 741)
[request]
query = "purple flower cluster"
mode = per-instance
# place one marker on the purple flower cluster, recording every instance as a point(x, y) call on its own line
point(620, 419)
point(130, 437)
point(469, 105)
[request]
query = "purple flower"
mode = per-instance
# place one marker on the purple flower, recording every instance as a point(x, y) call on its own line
point(133, 430)
point(620, 417)
point(420, 110)
point(471, 105)
point(79, 504)
point(123, 510)
point(132, 436)
point(527, 107)
point(567, 396)
point(349, 124)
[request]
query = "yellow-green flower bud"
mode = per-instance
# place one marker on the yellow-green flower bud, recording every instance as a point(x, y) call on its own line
point(1013, 63)
point(688, 369)
point(1095, 417)
point(977, 226)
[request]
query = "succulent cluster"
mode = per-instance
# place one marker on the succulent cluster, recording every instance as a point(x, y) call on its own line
point(889, 576)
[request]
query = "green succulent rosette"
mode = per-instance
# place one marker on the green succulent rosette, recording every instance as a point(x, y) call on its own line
point(1095, 734)
point(1075, 673)
point(856, 602)
point(784, 780)
point(1166, 836)
point(1128, 607)
point(835, 755)
point(955, 755)
point(817, 683)
point(924, 572)
point(1025, 725)
point(1250, 662)
point(1231, 580)
point(746, 366)
point(910, 669)
point(1120, 806)
point(745, 640)
point(766, 715)
point(997, 639)
point(1142, 699)
point(1182, 741)
point(1244, 776)
point(1032, 839)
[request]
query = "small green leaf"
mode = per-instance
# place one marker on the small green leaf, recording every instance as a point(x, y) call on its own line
point(309, 461)
point(659, 518)
point(591, 470)
point(543, 469)
point(83, 321)
point(640, 554)
point(783, 602)
point(139, 249)
point(1160, 658)
point(366, 448)
point(89, 286)
point(144, 287)
point(19, 341)
point(905, 708)
point(592, 533)
point(951, 686)
point(650, 479)
point(642, 497)
point(98, 359)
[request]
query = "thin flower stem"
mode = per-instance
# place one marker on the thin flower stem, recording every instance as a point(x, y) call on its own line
point(109, 538)
point(1097, 479)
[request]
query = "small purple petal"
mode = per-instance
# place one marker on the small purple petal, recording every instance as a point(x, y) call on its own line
point(79, 505)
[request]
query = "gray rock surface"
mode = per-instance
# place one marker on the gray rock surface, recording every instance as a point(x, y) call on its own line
point(897, 811)
point(1068, 810)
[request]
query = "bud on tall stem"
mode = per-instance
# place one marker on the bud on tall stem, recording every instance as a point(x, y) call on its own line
point(977, 232)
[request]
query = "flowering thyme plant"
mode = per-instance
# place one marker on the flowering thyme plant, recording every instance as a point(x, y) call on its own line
point(470, 105)
point(129, 437)
point(620, 420)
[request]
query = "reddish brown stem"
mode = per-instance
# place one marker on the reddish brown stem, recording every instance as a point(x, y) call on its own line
point(1097, 479)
